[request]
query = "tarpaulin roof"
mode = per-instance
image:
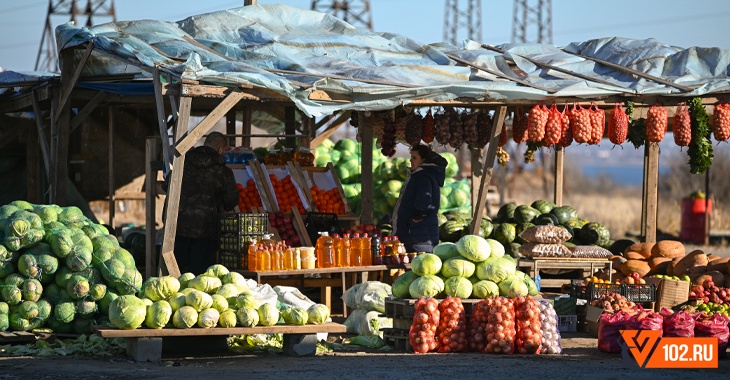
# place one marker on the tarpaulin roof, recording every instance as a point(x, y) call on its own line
point(294, 52)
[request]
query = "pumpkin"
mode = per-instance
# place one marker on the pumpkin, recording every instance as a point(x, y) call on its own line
point(695, 259)
point(639, 266)
point(715, 276)
point(644, 249)
point(659, 265)
point(668, 248)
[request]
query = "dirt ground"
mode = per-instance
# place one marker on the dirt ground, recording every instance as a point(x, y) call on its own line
point(581, 359)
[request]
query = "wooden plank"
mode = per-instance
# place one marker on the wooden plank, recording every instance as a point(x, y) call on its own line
point(501, 75)
point(329, 327)
point(333, 97)
point(301, 228)
point(32, 165)
point(634, 72)
point(651, 192)
point(182, 146)
point(476, 175)
point(366, 191)
point(558, 189)
point(161, 122)
point(341, 77)
point(68, 85)
point(267, 196)
point(62, 118)
point(295, 169)
point(173, 196)
point(88, 109)
point(497, 126)
point(331, 129)
point(150, 206)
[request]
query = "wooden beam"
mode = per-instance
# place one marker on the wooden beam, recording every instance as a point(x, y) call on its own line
point(173, 195)
point(32, 167)
point(88, 109)
point(68, 85)
point(331, 129)
point(366, 193)
point(184, 144)
point(651, 180)
point(341, 77)
point(497, 126)
point(38, 115)
point(558, 189)
point(62, 118)
point(161, 122)
point(325, 96)
point(246, 115)
point(476, 175)
point(501, 75)
point(112, 187)
point(151, 152)
point(634, 72)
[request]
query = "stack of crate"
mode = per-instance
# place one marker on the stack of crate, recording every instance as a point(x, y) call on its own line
point(235, 231)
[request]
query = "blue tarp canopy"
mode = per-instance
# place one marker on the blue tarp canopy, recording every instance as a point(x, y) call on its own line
point(294, 52)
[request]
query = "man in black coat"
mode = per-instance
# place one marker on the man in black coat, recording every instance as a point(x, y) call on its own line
point(208, 189)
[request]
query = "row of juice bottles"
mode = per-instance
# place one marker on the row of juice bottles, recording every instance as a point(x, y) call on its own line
point(356, 250)
point(331, 252)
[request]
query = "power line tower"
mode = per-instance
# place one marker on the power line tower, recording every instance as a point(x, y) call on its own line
point(77, 11)
point(465, 16)
point(355, 12)
point(533, 18)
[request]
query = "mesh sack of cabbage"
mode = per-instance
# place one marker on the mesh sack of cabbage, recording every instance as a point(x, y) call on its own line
point(550, 332)
point(545, 234)
point(537, 250)
point(590, 252)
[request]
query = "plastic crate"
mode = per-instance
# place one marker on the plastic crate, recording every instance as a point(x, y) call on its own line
point(317, 222)
point(639, 292)
point(233, 260)
point(244, 223)
point(593, 291)
point(398, 339)
point(567, 323)
point(565, 305)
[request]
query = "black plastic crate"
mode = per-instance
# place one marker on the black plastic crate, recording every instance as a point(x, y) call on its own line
point(244, 223)
point(639, 292)
point(593, 291)
point(317, 222)
point(233, 259)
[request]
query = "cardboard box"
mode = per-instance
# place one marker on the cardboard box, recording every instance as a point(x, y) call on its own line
point(593, 318)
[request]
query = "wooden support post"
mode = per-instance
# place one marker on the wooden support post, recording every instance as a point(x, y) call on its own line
point(151, 153)
point(231, 127)
point(366, 192)
point(497, 126)
point(32, 167)
point(161, 122)
point(173, 194)
point(246, 126)
point(558, 189)
point(88, 109)
point(650, 192)
point(45, 150)
point(290, 126)
point(112, 186)
point(707, 206)
point(69, 76)
point(476, 176)
point(62, 118)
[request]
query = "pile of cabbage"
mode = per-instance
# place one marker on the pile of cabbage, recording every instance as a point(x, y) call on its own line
point(216, 298)
point(473, 267)
point(60, 270)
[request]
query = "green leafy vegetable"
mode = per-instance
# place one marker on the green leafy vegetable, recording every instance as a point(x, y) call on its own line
point(700, 149)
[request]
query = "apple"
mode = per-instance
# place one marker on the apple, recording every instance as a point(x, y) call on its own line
point(635, 275)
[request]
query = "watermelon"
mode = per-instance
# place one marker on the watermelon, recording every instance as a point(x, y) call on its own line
point(452, 231)
point(546, 219)
point(595, 233)
point(567, 228)
point(564, 213)
point(619, 246)
point(513, 250)
point(505, 233)
point(525, 214)
point(506, 213)
point(544, 206)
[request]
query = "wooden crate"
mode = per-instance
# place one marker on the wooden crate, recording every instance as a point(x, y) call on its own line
point(282, 172)
point(324, 178)
point(671, 293)
point(405, 308)
point(398, 339)
point(242, 173)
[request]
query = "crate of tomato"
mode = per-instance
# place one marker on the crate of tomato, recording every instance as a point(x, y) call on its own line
point(325, 190)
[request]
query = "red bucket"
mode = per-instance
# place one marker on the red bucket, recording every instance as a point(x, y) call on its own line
point(693, 220)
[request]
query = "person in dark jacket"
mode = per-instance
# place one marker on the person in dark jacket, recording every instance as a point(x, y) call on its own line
point(415, 218)
point(208, 189)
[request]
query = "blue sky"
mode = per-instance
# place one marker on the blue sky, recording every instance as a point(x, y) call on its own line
point(680, 23)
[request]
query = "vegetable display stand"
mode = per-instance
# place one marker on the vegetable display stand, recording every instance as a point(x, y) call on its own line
point(149, 344)
point(588, 266)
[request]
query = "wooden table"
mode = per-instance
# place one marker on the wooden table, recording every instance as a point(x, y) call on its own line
point(324, 278)
point(586, 265)
point(146, 344)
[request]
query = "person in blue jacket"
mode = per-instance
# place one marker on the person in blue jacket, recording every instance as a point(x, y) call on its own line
point(415, 219)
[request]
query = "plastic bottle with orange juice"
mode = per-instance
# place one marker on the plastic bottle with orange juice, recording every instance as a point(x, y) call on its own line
point(325, 251)
point(366, 257)
point(355, 250)
point(344, 251)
